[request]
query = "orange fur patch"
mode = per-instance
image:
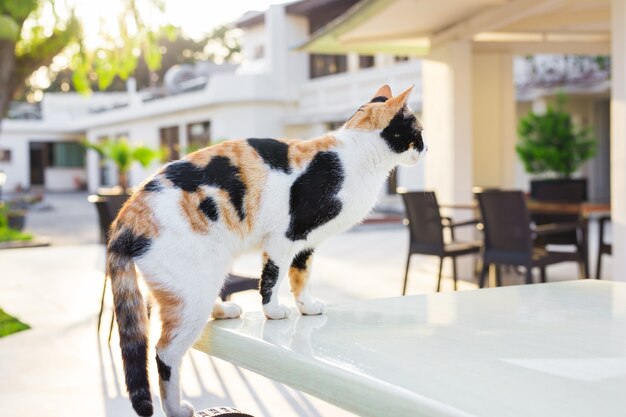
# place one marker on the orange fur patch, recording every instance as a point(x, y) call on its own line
point(252, 173)
point(299, 277)
point(189, 204)
point(169, 311)
point(301, 152)
point(137, 215)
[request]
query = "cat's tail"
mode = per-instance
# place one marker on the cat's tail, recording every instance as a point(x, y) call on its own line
point(132, 319)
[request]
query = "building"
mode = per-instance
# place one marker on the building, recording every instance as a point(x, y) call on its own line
point(277, 91)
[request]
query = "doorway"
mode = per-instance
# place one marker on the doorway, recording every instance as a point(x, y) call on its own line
point(38, 153)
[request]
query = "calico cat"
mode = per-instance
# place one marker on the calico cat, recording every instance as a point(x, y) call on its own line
point(184, 226)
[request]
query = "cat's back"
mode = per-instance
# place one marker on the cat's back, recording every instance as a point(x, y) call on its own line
point(226, 186)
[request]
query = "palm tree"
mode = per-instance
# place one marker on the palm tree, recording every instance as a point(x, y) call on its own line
point(123, 154)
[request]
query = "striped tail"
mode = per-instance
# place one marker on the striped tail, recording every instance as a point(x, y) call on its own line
point(132, 317)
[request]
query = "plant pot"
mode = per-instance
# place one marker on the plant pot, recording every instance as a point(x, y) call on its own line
point(16, 220)
point(562, 190)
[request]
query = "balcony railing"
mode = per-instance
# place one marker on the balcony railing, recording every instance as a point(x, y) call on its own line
point(341, 93)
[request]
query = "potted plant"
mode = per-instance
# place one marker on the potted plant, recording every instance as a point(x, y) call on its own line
point(553, 148)
point(123, 154)
point(11, 224)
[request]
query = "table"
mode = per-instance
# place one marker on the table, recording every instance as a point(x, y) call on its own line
point(556, 349)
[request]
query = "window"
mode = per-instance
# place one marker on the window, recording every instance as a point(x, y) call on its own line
point(170, 145)
point(401, 58)
point(198, 136)
point(366, 61)
point(5, 155)
point(66, 155)
point(322, 65)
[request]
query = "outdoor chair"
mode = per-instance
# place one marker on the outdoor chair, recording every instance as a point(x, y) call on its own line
point(559, 191)
point(426, 227)
point(107, 207)
point(603, 248)
point(510, 240)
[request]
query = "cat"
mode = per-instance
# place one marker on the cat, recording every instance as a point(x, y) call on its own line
point(184, 225)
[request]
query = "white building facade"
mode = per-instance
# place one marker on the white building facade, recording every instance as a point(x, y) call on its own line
point(277, 91)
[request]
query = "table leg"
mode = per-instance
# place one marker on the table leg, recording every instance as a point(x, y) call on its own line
point(584, 245)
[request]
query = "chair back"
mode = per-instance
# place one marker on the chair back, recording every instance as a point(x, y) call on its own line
point(425, 228)
point(107, 208)
point(560, 191)
point(506, 226)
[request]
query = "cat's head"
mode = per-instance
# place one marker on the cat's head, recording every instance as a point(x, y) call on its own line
point(395, 123)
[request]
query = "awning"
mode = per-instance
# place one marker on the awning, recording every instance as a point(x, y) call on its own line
point(413, 27)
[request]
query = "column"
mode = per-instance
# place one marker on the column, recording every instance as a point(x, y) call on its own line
point(447, 121)
point(618, 137)
point(494, 121)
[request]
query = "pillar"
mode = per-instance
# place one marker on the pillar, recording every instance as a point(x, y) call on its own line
point(618, 137)
point(447, 121)
point(495, 162)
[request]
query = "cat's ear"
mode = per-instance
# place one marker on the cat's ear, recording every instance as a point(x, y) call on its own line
point(397, 102)
point(384, 91)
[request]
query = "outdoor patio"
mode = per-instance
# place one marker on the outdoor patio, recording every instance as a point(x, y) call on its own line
point(64, 365)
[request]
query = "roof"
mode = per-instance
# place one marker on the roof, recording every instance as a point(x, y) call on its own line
point(520, 26)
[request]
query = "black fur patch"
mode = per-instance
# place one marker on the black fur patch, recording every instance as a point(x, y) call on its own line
point(300, 260)
point(219, 172)
point(135, 357)
point(379, 99)
point(268, 280)
point(209, 208)
point(313, 198)
point(130, 245)
point(165, 372)
point(402, 132)
point(153, 185)
point(273, 152)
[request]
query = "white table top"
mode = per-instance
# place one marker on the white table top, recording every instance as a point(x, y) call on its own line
point(555, 349)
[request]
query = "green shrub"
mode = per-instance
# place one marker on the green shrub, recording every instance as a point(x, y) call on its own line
point(551, 143)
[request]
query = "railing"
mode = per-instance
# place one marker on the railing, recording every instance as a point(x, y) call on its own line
point(347, 91)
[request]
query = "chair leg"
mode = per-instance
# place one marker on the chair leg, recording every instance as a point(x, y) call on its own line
point(529, 275)
point(439, 277)
point(498, 275)
point(406, 274)
point(483, 274)
point(111, 328)
point(454, 275)
point(544, 278)
point(104, 289)
point(599, 266)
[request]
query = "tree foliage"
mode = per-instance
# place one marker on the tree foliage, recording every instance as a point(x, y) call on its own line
point(28, 41)
point(550, 142)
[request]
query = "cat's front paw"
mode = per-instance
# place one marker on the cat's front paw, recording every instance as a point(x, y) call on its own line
point(277, 312)
point(226, 310)
point(312, 307)
point(184, 410)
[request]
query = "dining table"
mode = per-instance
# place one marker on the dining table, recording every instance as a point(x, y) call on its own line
point(555, 350)
point(586, 211)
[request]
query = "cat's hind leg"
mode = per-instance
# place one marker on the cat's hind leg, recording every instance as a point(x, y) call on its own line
point(225, 310)
point(185, 306)
point(299, 278)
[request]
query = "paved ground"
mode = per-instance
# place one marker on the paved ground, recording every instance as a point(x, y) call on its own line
point(62, 368)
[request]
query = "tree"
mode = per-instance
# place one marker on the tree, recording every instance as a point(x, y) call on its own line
point(551, 143)
point(27, 43)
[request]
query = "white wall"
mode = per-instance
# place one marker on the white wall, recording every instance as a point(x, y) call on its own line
point(16, 137)
point(228, 121)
